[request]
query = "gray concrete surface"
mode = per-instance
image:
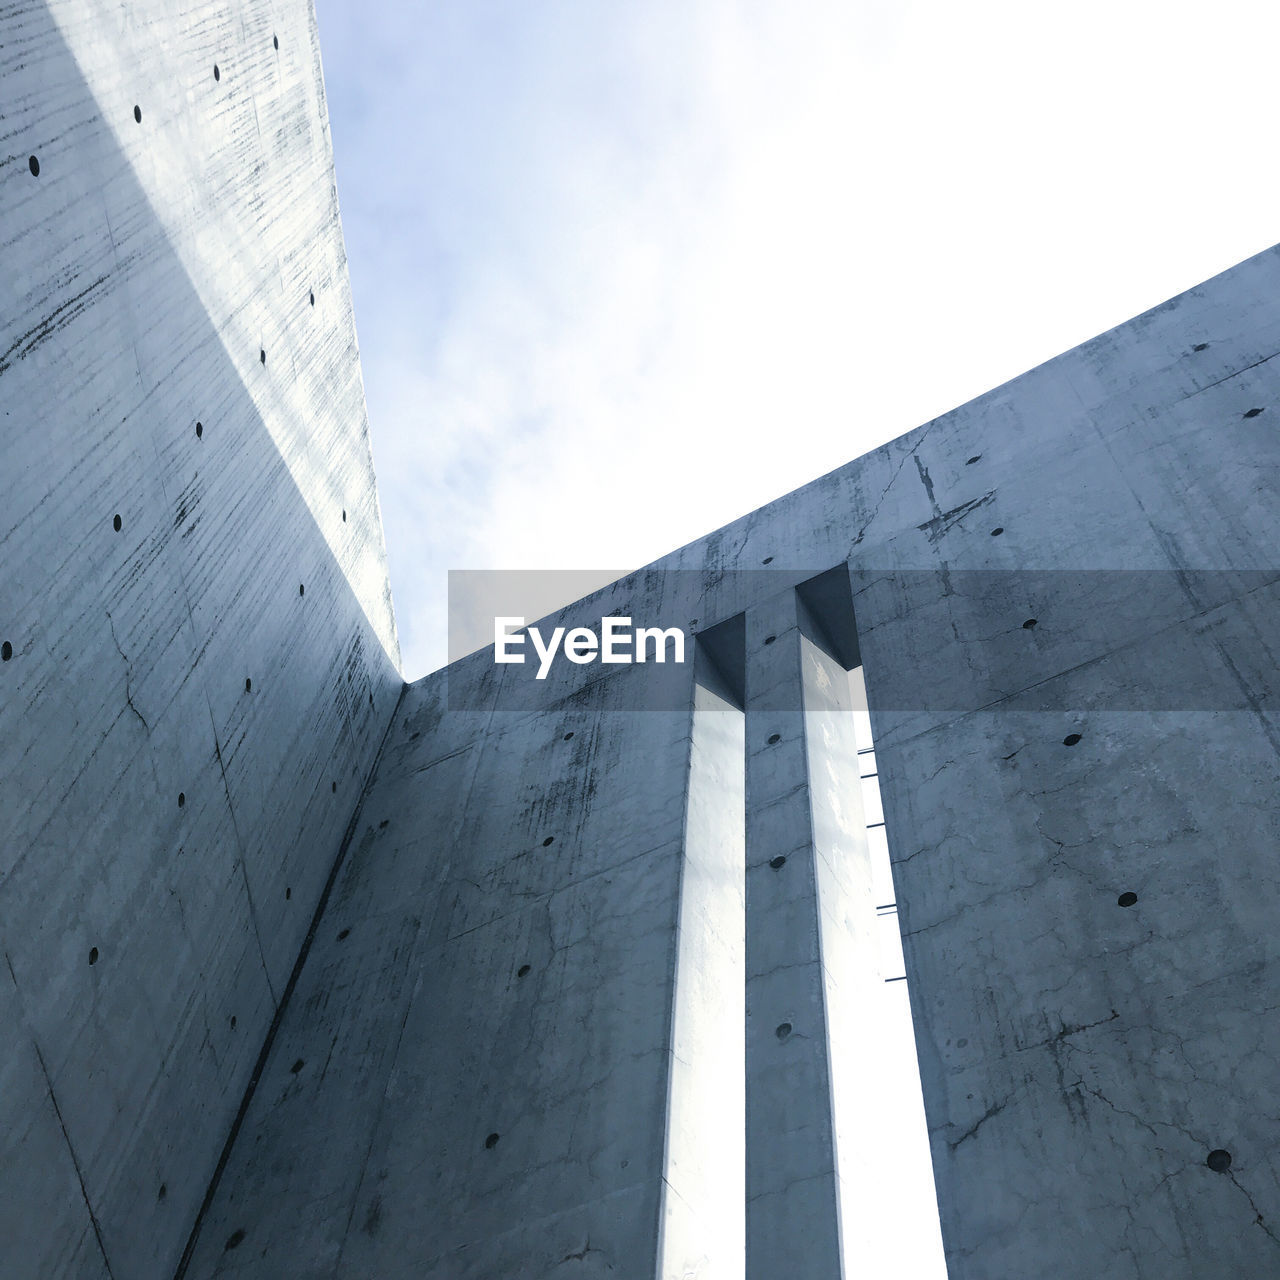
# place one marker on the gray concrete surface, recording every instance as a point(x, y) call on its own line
point(164, 832)
point(508, 1036)
point(1080, 1059)
point(810, 938)
point(417, 1031)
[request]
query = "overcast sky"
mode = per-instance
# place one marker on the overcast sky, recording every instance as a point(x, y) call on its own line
point(627, 269)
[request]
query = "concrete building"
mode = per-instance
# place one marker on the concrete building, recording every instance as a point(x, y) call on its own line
point(312, 974)
point(200, 654)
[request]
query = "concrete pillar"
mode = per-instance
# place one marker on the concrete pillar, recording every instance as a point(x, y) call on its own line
point(702, 1221)
point(810, 945)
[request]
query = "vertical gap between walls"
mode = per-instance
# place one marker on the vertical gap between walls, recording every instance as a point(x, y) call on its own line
point(908, 1241)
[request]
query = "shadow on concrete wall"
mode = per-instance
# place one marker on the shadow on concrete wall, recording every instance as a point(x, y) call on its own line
point(193, 696)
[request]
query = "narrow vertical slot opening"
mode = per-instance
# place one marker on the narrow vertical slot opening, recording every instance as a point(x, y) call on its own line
point(907, 1239)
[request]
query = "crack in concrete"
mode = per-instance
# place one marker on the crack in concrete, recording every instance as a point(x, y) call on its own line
point(128, 675)
point(71, 1151)
point(993, 1110)
point(1257, 1216)
point(884, 493)
point(1068, 1031)
point(942, 522)
point(928, 484)
point(1228, 377)
point(581, 1255)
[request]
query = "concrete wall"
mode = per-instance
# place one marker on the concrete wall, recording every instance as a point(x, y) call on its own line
point(494, 1053)
point(176, 353)
point(1081, 1059)
point(474, 1075)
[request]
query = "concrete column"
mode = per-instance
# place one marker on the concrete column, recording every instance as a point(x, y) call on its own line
point(810, 946)
point(702, 1211)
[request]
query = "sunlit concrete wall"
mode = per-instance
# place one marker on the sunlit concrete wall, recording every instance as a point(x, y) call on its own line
point(434, 1108)
point(560, 942)
point(199, 653)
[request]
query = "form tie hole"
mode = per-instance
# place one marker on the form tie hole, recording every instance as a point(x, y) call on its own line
point(491, 1141)
point(288, 893)
point(182, 799)
point(779, 862)
point(522, 970)
point(568, 735)
point(217, 75)
point(770, 639)
point(313, 297)
point(997, 531)
point(199, 430)
point(1127, 899)
point(297, 1066)
point(767, 560)
point(1071, 739)
point(344, 517)
point(302, 590)
point(233, 1022)
point(137, 114)
point(235, 1239)
point(1201, 346)
point(1252, 413)
point(1219, 1161)
point(1029, 624)
point(343, 934)
point(333, 786)
point(34, 165)
point(968, 462)
point(6, 651)
point(548, 840)
point(93, 955)
point(116, 524)
point(248, 685)
point(262, 354)
point(386, 822)
point(783, 1030)
point(774, 737)
point(275, 41)
point(164, 1191)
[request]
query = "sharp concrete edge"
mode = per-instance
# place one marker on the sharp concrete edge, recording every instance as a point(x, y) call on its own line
point(269, 1041)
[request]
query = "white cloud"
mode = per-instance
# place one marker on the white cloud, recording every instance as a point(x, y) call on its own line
point(625, 272)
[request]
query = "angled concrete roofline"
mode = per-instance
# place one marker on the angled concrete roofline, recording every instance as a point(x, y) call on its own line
point(313, 972)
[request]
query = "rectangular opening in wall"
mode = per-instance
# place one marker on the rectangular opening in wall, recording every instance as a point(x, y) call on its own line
point(907, 1240)
point(886, 1201)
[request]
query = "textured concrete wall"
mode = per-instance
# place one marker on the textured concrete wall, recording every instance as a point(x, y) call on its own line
point(496, 1059)
point(199, 652)
point(1081, 1059)
point(473, 1077)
